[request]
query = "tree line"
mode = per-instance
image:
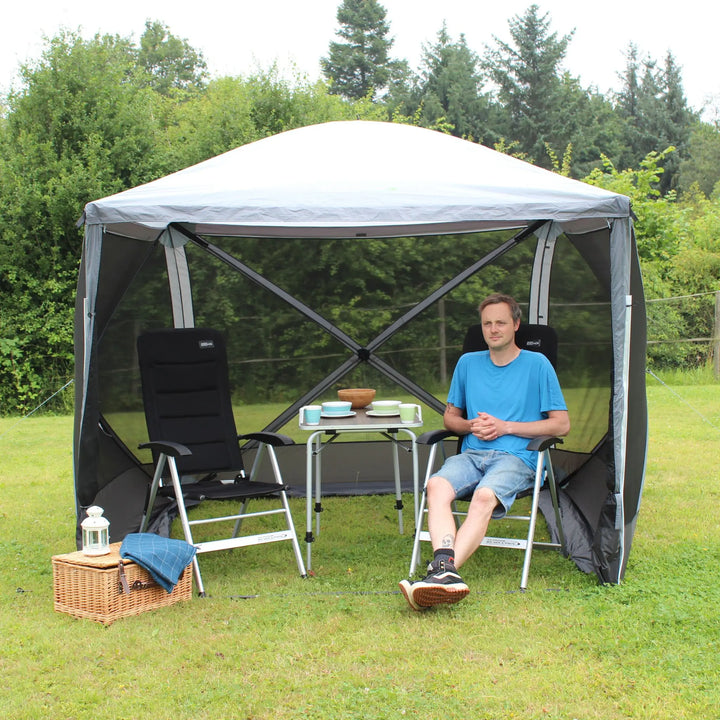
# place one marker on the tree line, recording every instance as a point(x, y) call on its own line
point(93, 117)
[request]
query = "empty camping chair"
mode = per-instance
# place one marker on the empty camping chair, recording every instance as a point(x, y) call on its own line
point(195, 446)
point(538, 338)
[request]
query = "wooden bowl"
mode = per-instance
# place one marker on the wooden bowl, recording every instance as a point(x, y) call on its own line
point(359, 397)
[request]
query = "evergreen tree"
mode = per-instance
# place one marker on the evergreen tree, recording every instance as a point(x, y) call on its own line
point(627, 98)
point(449, 89)
point(596, 130)
point(360, 65)
point(528, 75)
point(636, 104)
point(655, 114)
point(677, 120)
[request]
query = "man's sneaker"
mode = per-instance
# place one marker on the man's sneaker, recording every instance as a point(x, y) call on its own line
point(442, 585)
point(406, 587)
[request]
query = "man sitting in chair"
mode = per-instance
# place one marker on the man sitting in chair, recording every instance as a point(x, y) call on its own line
point(499, 398)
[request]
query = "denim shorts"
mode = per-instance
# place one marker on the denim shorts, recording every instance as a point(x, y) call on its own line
point(505, 474)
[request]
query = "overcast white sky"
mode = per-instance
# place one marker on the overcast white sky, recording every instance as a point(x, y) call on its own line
point(237, 37)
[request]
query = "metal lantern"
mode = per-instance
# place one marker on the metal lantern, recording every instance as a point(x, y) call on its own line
point(95, 535)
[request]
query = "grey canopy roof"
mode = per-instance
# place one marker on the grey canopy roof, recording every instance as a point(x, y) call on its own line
point(344, 179)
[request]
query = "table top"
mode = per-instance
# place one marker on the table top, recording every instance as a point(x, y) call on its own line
point(361, 421)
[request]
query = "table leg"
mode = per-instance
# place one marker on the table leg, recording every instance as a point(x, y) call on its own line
point(318, 484)
point(416, 495)
point(415, 472)
point(309, 496)
point(398, 488)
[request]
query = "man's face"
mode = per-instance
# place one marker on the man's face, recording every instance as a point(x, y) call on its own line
point(498, 326)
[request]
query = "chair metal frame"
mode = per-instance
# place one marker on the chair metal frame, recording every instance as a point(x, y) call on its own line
point(544, 475)
point(237, 487)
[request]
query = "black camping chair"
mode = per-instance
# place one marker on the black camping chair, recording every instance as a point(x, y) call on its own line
point(191, 427)
point(538, 338)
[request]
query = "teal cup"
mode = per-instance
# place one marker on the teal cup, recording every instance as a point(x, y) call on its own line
point(311, 414)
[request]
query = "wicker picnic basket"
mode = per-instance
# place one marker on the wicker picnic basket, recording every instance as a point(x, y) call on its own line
point(107, 587)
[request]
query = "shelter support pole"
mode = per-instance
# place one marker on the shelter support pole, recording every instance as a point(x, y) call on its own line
point(452, 284)
point(442, 340)
point(622, 308)
point(406, 384)
point(179, 280)
point(624, 432)
point(541, 274)
point(263, 282)
point(310, 395)
point(302, 308)
point(436, 296)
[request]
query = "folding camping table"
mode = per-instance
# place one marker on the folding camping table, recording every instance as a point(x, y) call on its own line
point(362, 420)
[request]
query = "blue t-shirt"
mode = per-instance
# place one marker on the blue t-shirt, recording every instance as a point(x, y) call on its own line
point(522, 391)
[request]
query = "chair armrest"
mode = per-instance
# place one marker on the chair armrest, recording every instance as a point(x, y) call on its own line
point(269, 438)
point(435, 436)
point(173, 449)
point(543, 442)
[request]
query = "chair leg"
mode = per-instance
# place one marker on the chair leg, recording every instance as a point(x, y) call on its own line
point(177, 487)
point(544, 467)
point(539, 472)
point(288, 514)
point(420, 519)
point(398, 490)
point(415, 558)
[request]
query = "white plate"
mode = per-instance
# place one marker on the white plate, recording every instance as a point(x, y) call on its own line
point(338, 415)
point(375, 413)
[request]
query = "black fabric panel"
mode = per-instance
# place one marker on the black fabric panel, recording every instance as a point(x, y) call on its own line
point(578, 535)
point(119, 263)
point(172, 375)
point(538, 338)
point(243, 490)
point(195, 403)
point(186, 394)
point(606, 542)
point(588, 486)
point(123, 491)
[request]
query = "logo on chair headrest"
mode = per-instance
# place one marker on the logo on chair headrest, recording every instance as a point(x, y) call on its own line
point(533, 343)
point(206, 344)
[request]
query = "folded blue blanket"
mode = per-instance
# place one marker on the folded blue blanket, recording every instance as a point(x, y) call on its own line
point(164, 558)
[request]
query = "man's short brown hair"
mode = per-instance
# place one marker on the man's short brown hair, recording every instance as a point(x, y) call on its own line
point(497, 298)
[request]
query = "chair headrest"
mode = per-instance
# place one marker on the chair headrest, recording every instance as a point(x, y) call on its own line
point(538, 338)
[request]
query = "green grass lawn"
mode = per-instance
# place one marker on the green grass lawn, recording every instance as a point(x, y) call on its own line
point(343, 644)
